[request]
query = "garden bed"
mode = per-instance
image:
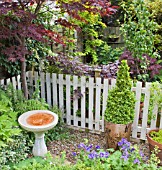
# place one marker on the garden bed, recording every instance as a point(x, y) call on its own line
point(75, 137)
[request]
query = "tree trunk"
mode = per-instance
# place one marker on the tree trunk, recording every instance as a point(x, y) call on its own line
point(23, 78)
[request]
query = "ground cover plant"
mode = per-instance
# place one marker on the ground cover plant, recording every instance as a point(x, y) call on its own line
point(93, 157)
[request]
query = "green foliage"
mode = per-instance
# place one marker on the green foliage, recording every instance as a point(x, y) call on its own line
point(155, 7)
point(31, 104)
point(14, 152)
point(121, 100)
point(42, 163)
point(52, 69)
point(59, 132)
point(139, 29)
point(14, 95)
point(155, 99)
point(8, 120)
point(156, 136)
point(107, 54)
point(114, 161)
point(91, 33)
point(12, 69)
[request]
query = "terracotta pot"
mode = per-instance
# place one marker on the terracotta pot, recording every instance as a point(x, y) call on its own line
point(153, 143)
point(115, 132)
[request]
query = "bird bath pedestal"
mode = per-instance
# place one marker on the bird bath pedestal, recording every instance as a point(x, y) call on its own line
point(38, 122)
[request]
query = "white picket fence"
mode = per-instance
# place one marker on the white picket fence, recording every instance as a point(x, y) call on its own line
point(83, 100)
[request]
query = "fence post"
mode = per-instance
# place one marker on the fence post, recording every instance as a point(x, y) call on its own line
point(97, 73)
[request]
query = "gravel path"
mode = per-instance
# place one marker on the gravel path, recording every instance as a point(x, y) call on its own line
point(76, 137)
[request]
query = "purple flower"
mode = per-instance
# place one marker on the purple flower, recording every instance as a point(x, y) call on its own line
point(132, 149)
point(74, 153)
point(107, 154)
point(91, 156)
point(141, 154)
point(136, 161)
point(125, 157)
point(122, 142)
point(102, 154)
point(88, 149)
point(81, 145)
point(97, 147)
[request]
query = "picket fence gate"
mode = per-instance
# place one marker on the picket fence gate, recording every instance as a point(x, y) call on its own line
point(82, 100)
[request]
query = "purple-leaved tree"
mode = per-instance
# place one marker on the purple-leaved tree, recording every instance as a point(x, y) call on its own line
point(17, 25)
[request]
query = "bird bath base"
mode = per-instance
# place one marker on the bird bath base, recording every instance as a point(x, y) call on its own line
point(38, 122)
point(39, 148)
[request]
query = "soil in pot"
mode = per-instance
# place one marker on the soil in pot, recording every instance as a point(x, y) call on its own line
point(115, 132)
point(152, 145)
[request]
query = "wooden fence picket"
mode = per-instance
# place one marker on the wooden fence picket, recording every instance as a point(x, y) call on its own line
point(61, 95)
point(83, 86)
point(48, 88)
point(91, 103)
point(54, 89)
point(42, 83)
point(14, 82)
point(104, 102)
point(68, 100)
point(75, 100)
point(137, 109)
point(2, 82)
point(97, 103)
point(145, 112)
point(19, 83)
point(8, 81)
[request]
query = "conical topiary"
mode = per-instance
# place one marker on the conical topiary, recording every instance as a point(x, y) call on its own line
point(121, 100)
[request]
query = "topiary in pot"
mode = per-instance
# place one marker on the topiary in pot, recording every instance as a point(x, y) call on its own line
point(119, 113)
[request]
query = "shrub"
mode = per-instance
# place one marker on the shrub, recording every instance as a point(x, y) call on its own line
point(14, 152)
point(136, 72)
point(72, 66)
point(139, 32)
point(8, 120)
point(121, 100)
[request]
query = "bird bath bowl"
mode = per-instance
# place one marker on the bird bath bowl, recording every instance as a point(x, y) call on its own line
point(38, 122)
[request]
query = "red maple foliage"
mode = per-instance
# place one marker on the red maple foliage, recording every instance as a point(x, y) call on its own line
point(16, 25)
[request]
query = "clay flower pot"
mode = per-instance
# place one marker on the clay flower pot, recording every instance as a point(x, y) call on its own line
point(153, 143)
point(115, 132)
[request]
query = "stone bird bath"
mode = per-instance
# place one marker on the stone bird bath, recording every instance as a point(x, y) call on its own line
point(38, 122)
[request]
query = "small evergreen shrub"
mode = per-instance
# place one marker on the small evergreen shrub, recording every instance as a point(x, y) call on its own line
point(121, 100)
